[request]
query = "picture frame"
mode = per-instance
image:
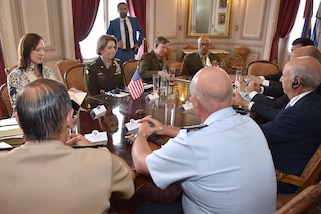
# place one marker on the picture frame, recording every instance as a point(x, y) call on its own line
point(221, 18)
point(222, 3)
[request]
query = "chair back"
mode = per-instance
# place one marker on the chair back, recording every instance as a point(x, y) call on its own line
point(176, 65)
point(240, 57)
point(129, 70)
point(5, 101)
point(64, 65)
point(304, 202)
point(74, 77)
point(310, 175)
point(8, 70)
point(262, 68)
point(312, 170)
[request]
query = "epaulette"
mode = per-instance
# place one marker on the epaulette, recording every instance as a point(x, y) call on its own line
point(92, 63)
point(194, 127)
point(96, 145)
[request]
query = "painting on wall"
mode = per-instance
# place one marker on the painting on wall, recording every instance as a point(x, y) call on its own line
point(223, 4)
point(221, 18)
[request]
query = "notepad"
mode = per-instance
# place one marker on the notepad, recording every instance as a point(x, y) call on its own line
point(78, 97)
point(7, 131)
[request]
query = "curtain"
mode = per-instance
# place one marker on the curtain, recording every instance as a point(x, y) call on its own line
point(84, 15)
point(3, 77)
point(287, 14)
point(138, 8)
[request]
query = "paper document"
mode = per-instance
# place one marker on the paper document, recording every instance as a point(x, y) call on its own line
point(78, 96)
point(8, 122)
point(6, 131)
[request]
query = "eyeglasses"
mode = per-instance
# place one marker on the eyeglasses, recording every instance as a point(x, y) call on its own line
point(204, 44)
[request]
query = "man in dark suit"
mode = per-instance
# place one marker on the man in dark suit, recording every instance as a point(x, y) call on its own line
point(281, 102)
point(270, 85)
point(126, 29)
point(293, 133)
point(203, 57)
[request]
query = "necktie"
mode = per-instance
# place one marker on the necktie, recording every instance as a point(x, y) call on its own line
point(127, 35)
point(203, 60)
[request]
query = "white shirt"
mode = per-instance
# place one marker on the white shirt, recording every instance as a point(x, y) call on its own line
point(225, 167)
point(122, 32)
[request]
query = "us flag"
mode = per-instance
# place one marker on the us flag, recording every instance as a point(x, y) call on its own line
point(136, 86)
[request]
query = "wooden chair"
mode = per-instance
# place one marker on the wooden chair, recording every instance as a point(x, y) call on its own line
point(5, 103)
point(8, 70)
point(176, 65)
point(64, 65)
point(130, 67)
point(262, 68)
point(239, 58)
point(309, 176)
point(304, 202)
point(74, 77)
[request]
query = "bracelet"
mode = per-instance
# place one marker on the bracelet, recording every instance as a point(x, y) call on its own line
point(140, 134)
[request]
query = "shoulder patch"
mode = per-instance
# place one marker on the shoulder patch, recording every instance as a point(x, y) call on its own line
point(194, 128)
point(96, 145)
point(92, 63)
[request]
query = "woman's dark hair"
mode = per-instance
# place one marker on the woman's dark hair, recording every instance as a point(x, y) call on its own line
point(27, 43)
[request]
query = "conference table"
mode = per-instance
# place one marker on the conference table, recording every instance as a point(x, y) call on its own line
point(123, 109)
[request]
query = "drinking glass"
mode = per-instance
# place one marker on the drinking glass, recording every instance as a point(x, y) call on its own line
point(155, 82)
point(171, 73)
point(170, 114)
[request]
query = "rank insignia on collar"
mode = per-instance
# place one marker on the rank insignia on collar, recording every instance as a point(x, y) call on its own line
point(194, 128)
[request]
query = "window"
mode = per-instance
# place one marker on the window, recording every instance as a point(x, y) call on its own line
point(299, 22)
point(88, 45)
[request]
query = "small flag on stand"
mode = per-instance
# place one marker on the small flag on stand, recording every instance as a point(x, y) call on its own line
point(136, 86)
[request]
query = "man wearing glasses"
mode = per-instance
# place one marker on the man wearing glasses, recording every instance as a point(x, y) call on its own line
point(203, 57)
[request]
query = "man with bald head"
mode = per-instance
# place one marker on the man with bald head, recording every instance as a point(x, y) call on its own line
point(195, 61)
point(293, 133)
point(214, 162)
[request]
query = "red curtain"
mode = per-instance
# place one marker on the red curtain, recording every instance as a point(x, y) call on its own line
point(3, 77)
point(138, 8)
point(84, 15)
point(287, 14)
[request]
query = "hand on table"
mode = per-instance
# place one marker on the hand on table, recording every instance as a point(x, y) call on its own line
point(240, 100)
point(77, 139)
point(252, 86)
point(255, 79)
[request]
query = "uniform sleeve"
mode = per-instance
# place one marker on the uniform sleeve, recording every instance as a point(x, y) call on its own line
point(122, 181)
point(168, 166)
point(90, 81)
point(145, 66)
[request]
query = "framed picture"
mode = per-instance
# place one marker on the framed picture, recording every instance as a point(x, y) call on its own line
point(222, 4)
point(221, 18)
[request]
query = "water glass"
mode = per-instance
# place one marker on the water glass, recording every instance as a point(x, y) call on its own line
point(238, 76)
point(171, 73)
point(155, 82)
point(169, 114)
point(74, 129)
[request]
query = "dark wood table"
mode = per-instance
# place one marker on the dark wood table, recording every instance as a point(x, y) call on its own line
point(125, 108)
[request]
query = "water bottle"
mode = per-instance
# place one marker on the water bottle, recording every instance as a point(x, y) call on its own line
point(163, 84)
